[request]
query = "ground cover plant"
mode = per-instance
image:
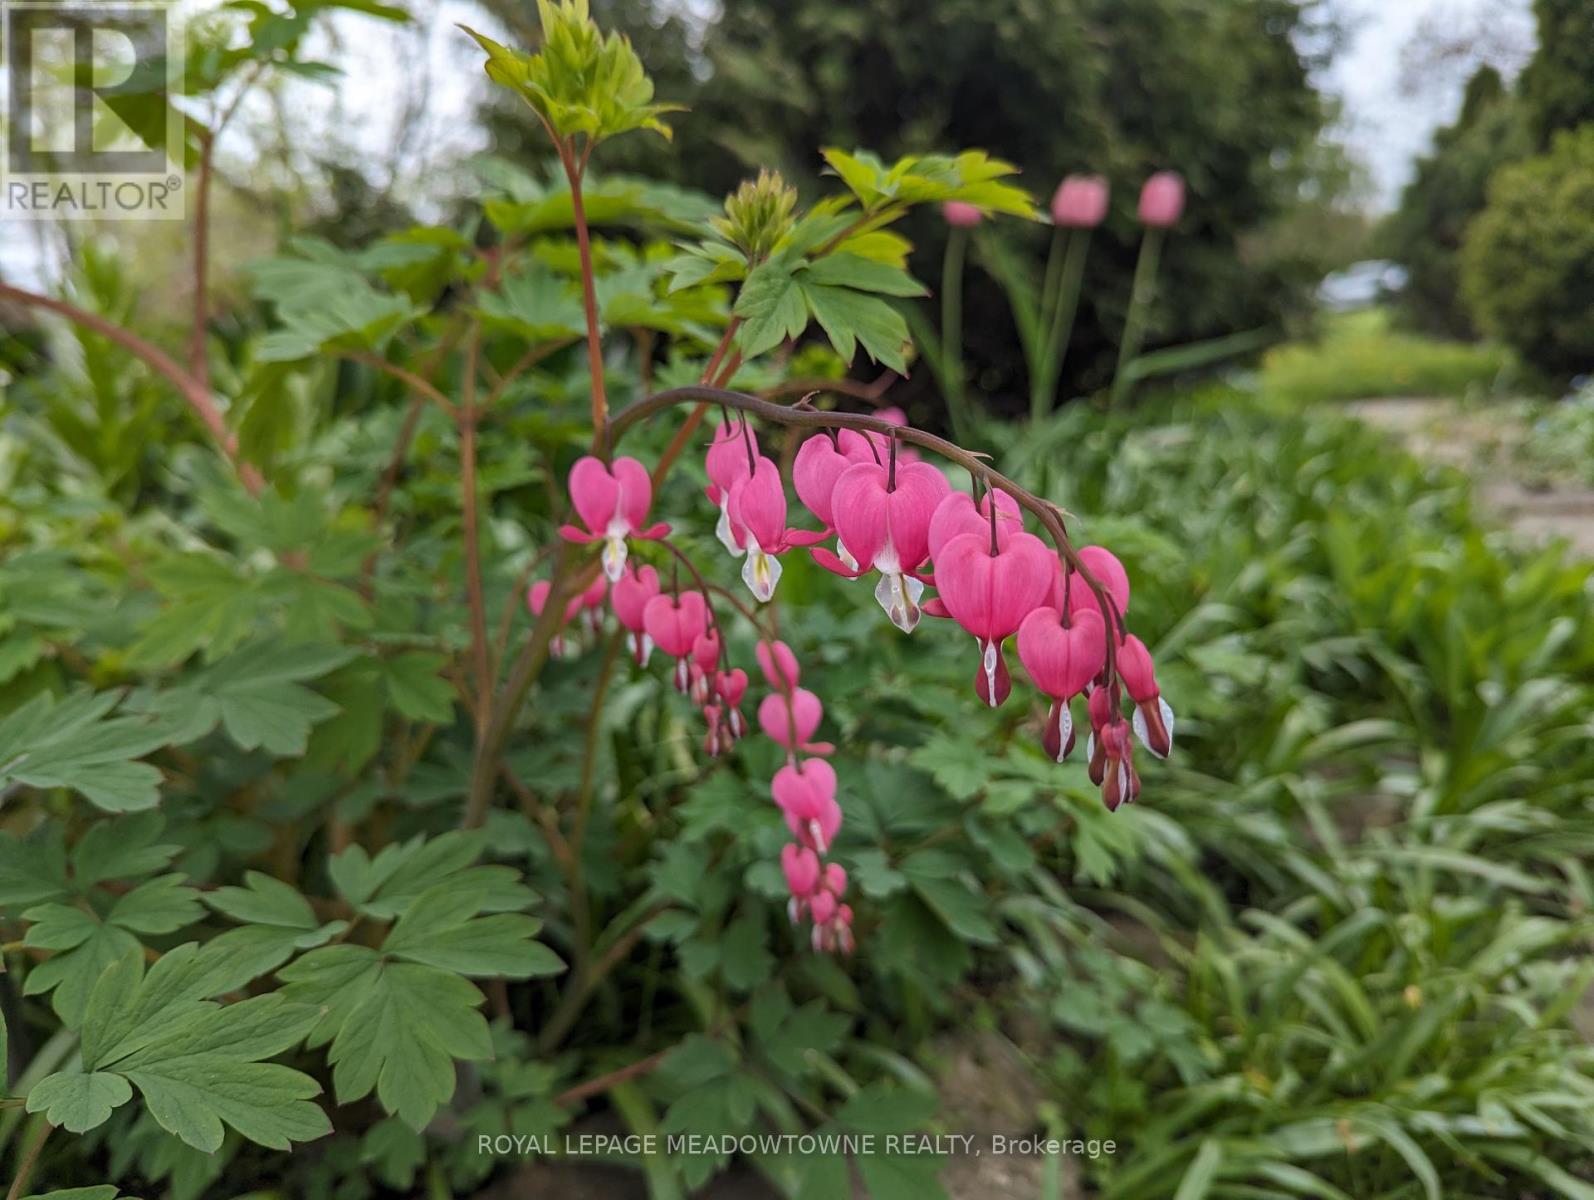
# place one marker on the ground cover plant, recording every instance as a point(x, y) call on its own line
point(343, 826)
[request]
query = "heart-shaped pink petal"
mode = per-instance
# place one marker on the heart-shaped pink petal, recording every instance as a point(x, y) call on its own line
point(990, 595)
point(594, 493)
point(1062, 661)
point(674, 622)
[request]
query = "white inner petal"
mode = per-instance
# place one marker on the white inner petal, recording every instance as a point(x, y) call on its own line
point(898, 595)
point(761, 572)
point(722, 530)
point(845, 555)
point(1138, 723)
point(989, 662)
point(614, 552)
point(1065, 730)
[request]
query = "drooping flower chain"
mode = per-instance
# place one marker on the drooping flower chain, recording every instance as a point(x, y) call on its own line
point(898, 518)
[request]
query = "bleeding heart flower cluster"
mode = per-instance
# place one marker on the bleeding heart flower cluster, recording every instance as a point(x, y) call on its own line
point(899, 519)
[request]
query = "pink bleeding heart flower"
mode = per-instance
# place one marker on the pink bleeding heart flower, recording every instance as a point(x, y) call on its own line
point(1120, 784)
point(883, 517)
point(758, 506)
point(823, 906)
point(835, 934)
point(792, 723)
point(1062, 660)
point(727, 462)
point(537, 600)
point(806, 793)
point(1153, 718)
point(800, 865)
point(989, 591)
point(896, 416)
point(957, 514)
point(960, 215)
point(1162, 200)
point(1111, 751)
point(1109, 572)
point(706, 649)
point(612, 502)
point(779, 664)
point(715, 740)
point(592, 601)
point(835, 880)
point(1080, 202)
point(819, 463)
point(675, 623)
point(729, 687)
point(628, 598)
point(705, 657)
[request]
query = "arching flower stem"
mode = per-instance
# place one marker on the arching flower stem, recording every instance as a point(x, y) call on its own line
point(811, 418)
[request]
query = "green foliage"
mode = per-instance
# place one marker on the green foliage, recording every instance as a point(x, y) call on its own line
point(1338, 950)
point(581, 81)
point(1553, 82)
point(1449, 188)
point(1121, 88)
point(195, 1063)
point(1357, 356)
point(1525, 266)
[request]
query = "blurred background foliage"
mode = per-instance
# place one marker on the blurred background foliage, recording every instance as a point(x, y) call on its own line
point(1470, 190)
point(1119, 88)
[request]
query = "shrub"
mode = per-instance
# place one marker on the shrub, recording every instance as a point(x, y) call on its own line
point(1528, 261)
point(1449, 188)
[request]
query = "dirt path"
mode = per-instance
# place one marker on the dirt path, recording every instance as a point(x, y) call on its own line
point(1481, 442)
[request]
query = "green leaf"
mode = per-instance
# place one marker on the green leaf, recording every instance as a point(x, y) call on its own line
point(395, 1028)
point(385, 886)
point(972, 176)
point(745, 959)
point(257, 695)
point(580, 81)
point(79, 1101)
point(75, 743)
point(196, 1063)
point(536, 305)
point(864, 275)
point(33, 868)
point(416, 687)
point(960, 774)
point(1398, 1140)
point(847, 316)
point(263, 901)
point(121, 849)
point(158, 906)
point(325, 303)
point(771, 307)
point(1202, 1172)
point(440, 929)
point(398, 1017)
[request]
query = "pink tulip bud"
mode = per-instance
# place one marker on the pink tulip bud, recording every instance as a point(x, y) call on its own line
point(1080, 202)
point(960, 215)
point(1162, 200)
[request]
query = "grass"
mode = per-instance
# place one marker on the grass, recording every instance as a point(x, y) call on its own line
point(1358, 356)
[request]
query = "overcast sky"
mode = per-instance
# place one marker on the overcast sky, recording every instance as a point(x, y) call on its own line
point(1402, 69)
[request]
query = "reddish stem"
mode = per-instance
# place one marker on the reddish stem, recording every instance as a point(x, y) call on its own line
point(589, 298)
point(193, 391)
